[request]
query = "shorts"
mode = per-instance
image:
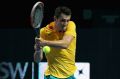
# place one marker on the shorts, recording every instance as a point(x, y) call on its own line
point(52, 77)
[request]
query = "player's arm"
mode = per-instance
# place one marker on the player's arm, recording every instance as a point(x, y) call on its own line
point(38, 54)
point(64, 43)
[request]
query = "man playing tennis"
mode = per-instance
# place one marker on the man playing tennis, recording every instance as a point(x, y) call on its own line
point(60, 35)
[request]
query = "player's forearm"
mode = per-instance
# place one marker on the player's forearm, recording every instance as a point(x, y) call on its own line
point(58, 44)
point(38, 55)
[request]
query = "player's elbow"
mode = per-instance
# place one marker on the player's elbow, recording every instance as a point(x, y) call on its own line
point(66, 42)
point(65, 46)
point(37, 60)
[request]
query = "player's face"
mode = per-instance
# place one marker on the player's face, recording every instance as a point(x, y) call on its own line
point(62, 21)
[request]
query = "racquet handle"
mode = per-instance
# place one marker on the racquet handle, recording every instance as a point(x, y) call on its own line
point(37, 32)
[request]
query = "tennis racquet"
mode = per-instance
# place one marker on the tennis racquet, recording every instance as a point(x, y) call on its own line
point(37, 16)
point(36, 21)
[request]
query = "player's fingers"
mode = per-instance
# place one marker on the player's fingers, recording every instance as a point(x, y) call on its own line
point(37, 41)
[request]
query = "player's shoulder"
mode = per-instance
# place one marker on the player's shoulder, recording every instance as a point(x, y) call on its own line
point(52, 23)
point(48, 27)
point(71, 24)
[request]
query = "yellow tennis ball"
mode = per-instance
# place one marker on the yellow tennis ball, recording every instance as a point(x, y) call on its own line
point(46, 49)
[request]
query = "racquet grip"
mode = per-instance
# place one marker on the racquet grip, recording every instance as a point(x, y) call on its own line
point(37, 32)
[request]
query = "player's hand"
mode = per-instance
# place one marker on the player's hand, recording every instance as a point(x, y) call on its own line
point(40, 41)
point(37, 45)
point(37, 41)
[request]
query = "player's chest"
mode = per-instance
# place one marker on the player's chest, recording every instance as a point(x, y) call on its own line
point(55, 35)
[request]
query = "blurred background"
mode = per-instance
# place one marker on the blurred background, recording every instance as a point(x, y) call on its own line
point(97, 26)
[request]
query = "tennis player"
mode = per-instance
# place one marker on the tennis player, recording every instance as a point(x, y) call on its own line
point(60, 35)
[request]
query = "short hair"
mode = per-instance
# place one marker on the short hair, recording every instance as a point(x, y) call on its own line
point(62, 9)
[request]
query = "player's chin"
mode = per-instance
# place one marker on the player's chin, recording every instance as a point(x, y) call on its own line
point(63, 26)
